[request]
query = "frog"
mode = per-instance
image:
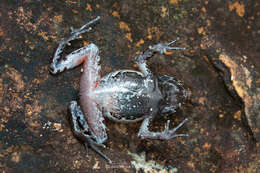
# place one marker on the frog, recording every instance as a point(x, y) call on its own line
point(122, 96)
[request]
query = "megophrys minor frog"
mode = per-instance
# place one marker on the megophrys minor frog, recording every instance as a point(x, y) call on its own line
point(122, 96)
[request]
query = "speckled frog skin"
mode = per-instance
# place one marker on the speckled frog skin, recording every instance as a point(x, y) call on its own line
point(123, 96)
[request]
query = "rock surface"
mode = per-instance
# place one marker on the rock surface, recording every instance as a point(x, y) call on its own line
point(220, 67)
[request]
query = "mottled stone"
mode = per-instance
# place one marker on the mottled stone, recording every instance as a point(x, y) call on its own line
point(244, 81)
point(220, 67)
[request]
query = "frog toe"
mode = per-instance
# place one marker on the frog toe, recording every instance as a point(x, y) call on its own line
point(164, 47)
point(169, 134)
point(90, 143)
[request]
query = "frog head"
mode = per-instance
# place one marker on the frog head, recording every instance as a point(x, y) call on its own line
point(174, 94)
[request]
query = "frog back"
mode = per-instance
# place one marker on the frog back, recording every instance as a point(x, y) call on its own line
point(123, 95)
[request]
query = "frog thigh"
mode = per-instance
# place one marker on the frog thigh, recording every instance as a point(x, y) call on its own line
point(95, 120)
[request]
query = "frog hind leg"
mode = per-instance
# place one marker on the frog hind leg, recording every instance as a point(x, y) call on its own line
point(82, 131)
point(75, 58)
point(88, 82)
point(167, 134)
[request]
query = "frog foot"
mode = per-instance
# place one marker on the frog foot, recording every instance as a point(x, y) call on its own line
point(163, 47)
point(167, 134)
point(84, 28)
point(91, 143)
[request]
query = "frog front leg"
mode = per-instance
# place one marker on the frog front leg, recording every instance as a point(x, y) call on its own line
point(162, 48)
point(141, 61)
point(82, 131)
point(164, 135)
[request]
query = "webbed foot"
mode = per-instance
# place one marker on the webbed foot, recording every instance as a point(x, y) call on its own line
point(164, 47)
point(82, 131)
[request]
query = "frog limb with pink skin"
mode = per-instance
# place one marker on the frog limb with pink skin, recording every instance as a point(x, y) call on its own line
point(122, 96)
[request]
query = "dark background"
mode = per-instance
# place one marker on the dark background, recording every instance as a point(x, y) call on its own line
point(220, 67)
